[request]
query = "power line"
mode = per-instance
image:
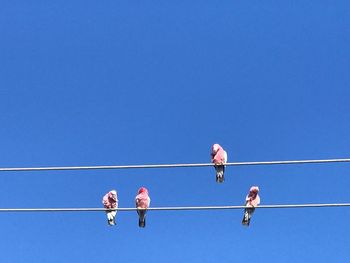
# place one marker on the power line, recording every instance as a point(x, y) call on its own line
point(176, 208)
point(145, 166)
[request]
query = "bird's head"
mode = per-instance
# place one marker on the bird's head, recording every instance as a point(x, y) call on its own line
point(254, 190)
point(215, 148)
point(143, 190)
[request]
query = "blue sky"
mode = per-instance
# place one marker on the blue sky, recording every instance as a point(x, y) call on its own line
point(135, 82)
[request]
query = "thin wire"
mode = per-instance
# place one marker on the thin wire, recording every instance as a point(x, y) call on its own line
point(176, 208)
point(145, 166)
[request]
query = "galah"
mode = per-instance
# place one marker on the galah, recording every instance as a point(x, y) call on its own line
point(252, 200)
point(142, 201)
point(218, 158)
point(109, 201)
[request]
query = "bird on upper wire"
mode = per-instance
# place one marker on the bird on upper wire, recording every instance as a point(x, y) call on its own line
point(142, 202)
point(252, 200)
point(219, 158)
point(110, 200)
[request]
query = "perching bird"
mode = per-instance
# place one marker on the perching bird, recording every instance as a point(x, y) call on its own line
point(219, 158)
point(142, 202)
point(110, 200)
point(251, 201)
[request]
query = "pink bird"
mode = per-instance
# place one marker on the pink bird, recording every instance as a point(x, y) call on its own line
point(252, 200)
point(142, 202)
point(109, 201)
point(219, 158)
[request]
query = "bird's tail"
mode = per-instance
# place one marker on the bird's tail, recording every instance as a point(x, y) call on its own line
point(142, 218)
point(247, 216)
point(111, 218)
point(220, 170)
point(111, 222)
point(142, 222)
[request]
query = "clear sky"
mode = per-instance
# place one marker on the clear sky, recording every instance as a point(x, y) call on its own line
point(146, 82)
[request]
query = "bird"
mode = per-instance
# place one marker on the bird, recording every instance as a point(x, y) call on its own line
point(142, 202)
point(219, 158)
point(109, 201)
point(252, 200)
